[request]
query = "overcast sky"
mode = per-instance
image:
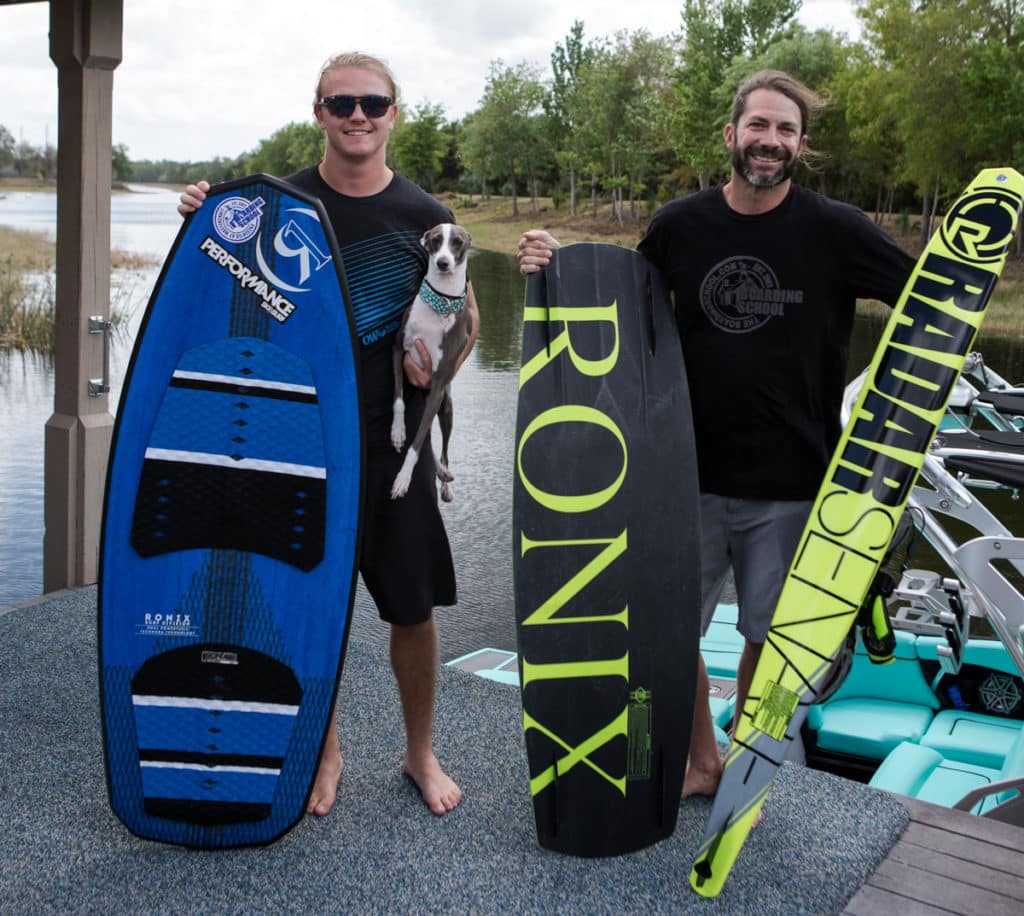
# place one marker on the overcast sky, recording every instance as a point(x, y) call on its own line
point(205, 78)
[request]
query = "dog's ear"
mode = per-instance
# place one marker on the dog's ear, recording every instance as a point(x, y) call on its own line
point(423, 239)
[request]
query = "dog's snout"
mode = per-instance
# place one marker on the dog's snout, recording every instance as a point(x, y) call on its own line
point(444, 264)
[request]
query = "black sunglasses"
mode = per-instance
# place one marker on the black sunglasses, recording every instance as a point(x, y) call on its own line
point(342, 106)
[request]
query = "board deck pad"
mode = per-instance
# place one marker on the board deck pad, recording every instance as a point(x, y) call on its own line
point(605, 557)
point(231, 525)
point(862, 497)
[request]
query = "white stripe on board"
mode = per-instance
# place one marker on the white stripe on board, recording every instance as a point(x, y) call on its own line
point(248, 383)
point(172, 765)
point(272, 709)
point(242, 464)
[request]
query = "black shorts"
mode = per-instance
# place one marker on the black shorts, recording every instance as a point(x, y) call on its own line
point(406, 561)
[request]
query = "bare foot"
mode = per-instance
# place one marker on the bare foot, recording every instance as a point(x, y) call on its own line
point(328, 775)
point(438, 790)
point(702, 780)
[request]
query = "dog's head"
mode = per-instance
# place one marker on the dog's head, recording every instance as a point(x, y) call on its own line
point(447, 245)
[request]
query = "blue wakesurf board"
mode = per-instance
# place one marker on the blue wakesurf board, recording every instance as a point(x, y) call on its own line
point(231, 525)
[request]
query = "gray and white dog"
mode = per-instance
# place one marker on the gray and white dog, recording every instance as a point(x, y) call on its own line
point(438, 317)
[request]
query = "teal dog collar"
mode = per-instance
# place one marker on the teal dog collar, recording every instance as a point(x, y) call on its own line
point(440, 303)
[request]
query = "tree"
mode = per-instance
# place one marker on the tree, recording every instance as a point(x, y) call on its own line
point(562, 102)
point(7, 146)
point(504, 137)
point(620, 89)
point(289, 149)
point(924, 47)
point(418, 145)
point(121, 165)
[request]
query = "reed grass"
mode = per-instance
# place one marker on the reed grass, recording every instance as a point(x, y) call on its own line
point(27, 290)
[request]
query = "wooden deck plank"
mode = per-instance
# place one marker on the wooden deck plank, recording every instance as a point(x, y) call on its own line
point(964, 824)
point(966, 848)
point(966, 872)
point(947, 862)
point(941, 891)
point(870, 901)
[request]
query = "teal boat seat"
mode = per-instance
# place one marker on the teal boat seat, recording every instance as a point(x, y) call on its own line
point(878, 706)
point(870, 728)
point(722, 645)
point(925, 774)
point(721, 712)
point(971, 737)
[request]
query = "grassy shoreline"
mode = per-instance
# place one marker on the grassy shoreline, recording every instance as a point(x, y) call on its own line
point(27, 287)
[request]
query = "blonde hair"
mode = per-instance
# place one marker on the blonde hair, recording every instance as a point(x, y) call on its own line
point(360, 61)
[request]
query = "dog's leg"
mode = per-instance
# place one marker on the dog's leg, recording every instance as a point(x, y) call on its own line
point(398, 407)
point(444, 415)
point(401, 485)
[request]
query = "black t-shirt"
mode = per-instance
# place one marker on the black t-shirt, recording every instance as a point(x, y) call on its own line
point(765, 307)
point(379, 239)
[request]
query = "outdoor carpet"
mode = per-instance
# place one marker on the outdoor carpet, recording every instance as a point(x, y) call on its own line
point(381, 850)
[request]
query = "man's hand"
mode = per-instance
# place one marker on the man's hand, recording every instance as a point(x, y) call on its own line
point(192, 197)
point(535, 249)
point(417, 374)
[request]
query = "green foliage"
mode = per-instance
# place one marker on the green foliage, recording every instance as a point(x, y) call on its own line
point(295, 146)
point(121, 166)
point(166, 171)
point(419, 145)
point(505, 138)
point(6, 147)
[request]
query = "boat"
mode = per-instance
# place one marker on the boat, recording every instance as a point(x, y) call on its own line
point(940, 717)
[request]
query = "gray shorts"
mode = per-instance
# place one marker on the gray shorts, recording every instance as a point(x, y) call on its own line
point(756, 538)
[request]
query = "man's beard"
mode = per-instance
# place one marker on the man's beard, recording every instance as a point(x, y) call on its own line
point(759, 179)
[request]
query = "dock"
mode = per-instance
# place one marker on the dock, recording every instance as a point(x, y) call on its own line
point(826, 846)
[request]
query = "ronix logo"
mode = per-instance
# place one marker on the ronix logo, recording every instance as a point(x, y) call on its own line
point(981, 226)
point(171, 623)
point(297, 249)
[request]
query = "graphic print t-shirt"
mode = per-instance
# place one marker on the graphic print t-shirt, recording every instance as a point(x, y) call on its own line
point(765, 307)
point(379, 239)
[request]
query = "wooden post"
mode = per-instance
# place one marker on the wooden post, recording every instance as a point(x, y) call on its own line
point(85, 44)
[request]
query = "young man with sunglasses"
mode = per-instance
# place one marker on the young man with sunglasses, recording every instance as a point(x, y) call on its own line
point(406, 563)
point(765, 276)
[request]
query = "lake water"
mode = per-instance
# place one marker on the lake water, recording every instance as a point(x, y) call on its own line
point(478, 522)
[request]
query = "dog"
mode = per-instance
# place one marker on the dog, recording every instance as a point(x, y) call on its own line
point(438, 317)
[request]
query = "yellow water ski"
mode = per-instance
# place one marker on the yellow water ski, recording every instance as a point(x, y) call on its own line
point(874, 467)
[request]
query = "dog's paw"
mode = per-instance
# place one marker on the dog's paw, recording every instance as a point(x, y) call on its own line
point(402, 480)
point(443, 474)
point(446, 492)
point(398, 426)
